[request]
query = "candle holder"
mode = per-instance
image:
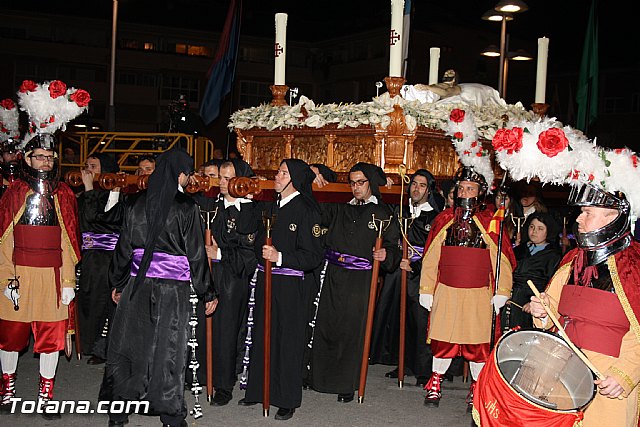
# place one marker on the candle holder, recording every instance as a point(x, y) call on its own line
point(278, 92)
point(394, 84)
point(540, 109)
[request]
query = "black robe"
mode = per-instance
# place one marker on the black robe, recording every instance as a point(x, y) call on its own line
point(296, 233)
point(386, 326)
point(538, 268)
point(95, 306)
point(342, 313)
point(147, 353)
point(234, 233)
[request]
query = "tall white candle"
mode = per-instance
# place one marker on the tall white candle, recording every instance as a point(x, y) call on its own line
point(541, 74)
point(395, 38)
point(434, 60)
point(280, 49)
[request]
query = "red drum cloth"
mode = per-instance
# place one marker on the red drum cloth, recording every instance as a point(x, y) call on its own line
point(594, 319)
point(49, 336)
point(472, 352)
point(495, 403)
point(462, 267)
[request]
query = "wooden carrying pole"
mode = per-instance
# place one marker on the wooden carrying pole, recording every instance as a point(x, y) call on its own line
point(373, 292)
point(563, 333)
point(208, 238)
point(266, 381)
point(403, 306)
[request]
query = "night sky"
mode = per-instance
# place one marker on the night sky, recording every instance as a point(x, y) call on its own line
point(563, 21)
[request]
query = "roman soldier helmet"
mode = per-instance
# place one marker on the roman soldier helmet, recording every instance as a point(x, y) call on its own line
point(49, 106)
point(598, 176)
point(476, 161)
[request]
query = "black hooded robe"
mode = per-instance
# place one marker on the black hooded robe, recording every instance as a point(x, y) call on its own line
point(342, 313)
point(147, 354)
point(295, 233)
point(386, 326)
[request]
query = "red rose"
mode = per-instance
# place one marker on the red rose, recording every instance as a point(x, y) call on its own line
point(28, 86)
point(552, 142)
point(508, 139)
point(457, 115)
point(634, 159)
point(7, 104)
point(81, 97)
point(458, 136)
point(57, 88)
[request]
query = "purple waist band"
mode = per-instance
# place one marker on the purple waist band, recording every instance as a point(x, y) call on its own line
point(105, 242)
point(283, 271)
point(163, 266)
point(417, 255)
point(350, 262)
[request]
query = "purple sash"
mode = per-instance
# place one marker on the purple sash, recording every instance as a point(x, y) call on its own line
point(282, 271)
point(417, 255)
point(105, 242)
point(350, 262)
point(163, 266)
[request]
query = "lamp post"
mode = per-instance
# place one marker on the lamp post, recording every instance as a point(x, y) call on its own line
point(503, 12)
point(519, 55)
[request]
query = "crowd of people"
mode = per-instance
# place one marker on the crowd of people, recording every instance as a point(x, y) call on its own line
point(126, 269)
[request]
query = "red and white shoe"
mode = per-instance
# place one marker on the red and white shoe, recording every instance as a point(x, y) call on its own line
point(434, 393)
point(8, 388)
point(45, 394)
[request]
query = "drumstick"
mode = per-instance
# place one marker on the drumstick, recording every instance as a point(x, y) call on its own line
point(563, 334)
point(513, 303)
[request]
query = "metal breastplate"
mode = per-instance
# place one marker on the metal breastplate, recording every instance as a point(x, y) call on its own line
point(39, 210)
point(465, 233)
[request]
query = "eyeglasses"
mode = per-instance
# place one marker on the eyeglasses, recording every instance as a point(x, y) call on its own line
point(358, 183)
point(42, 157)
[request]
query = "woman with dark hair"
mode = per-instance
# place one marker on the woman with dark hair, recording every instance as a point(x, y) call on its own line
point(537, 258)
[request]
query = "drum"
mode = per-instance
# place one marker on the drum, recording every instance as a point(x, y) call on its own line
point(532, 378)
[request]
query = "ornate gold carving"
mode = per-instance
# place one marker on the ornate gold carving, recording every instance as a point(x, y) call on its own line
point(394, 84)
point(540, 109)
point(288, 139)
point(311, 150)
point(278, 92)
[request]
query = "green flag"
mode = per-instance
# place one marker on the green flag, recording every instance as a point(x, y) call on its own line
point(587, 94)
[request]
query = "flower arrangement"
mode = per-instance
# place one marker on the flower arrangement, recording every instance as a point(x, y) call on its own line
point(464, 135)
point(9, 125)
point(375, 112)
point(51, 105)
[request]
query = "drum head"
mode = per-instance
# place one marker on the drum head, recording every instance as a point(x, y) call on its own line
point(542, 368)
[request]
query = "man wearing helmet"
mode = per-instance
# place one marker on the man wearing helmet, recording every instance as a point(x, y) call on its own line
point(596, 295)
point(457, 281)
point(9, 166)
point(38, 252)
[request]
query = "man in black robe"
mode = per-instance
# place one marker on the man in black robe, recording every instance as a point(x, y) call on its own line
point(233, 263)
point(386, 327)
point(295, 252)
point(342, 313)
point(160, 251)
point(99, 236)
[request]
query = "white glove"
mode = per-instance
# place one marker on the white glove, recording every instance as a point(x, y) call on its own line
point(12, 294)
point(426, 300)
point(498, 302)
point(68, 294)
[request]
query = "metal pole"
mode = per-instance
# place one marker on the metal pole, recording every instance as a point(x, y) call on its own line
point(503, 42)
point(111, 123)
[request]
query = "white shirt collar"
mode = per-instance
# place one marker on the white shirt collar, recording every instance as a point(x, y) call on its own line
point(237, 203)
point(288, 198)
point(416, 210)
point(180, 189)
point(373, 199)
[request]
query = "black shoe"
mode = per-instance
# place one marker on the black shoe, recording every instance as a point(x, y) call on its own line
point(345, 397)
point(306, 385)
point(392, 374)
point(244, 402)
point(221, 398)
point(95, 360)
point(284, 413)
point(183, 423)
point(421, 381)
point(118, 423)
point(448, 377)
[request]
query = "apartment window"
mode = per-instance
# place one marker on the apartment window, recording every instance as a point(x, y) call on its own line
point(613, 105)
point(35, 72)
point(137, 79)
point(253, 93)
point(174, 86)
point(256, 54)
point(149, 46)
point(193, 49)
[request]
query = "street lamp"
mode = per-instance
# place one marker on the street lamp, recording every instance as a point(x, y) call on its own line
point(492, 51)
point(503, 12)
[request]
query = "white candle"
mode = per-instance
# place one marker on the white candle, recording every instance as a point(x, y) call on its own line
point(434, 59)
point(395, 38)
point(541, 74)
point(280, 49)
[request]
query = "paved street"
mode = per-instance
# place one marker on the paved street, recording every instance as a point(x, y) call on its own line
point(385, 404)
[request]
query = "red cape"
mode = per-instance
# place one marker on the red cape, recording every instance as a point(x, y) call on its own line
point(13, 199)
point(484, 217)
